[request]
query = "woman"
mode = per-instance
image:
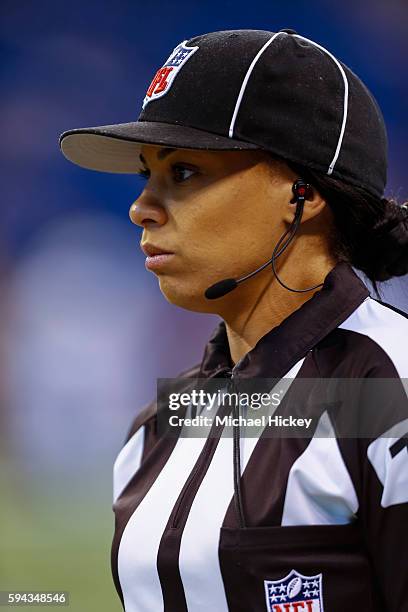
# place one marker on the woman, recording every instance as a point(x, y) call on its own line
point(256, 143)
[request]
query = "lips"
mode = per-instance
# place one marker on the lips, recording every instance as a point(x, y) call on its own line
point(150, 250)
point(157, 258)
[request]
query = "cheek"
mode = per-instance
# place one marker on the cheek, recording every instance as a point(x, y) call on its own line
point(221, 233)
point(228, 227)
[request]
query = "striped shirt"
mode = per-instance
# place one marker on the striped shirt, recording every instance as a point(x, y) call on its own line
point(325, 517)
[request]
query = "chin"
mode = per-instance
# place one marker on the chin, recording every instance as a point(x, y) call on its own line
point(186, 295)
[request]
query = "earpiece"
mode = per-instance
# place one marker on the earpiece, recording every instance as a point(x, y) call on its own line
point(301, 190)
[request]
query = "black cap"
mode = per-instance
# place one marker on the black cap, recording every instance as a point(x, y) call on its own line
point(250, 89)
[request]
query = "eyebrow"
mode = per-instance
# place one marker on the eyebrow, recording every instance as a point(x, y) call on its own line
point(161, 154)
point(165, 152)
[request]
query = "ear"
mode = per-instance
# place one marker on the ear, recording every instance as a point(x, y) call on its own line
point(313, 206)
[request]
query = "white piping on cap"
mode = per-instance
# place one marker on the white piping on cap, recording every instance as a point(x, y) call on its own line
point(346, 89)
point(245, 81)
point(345, 104)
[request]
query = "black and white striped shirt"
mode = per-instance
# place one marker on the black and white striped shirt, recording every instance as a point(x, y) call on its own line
point(326, 517)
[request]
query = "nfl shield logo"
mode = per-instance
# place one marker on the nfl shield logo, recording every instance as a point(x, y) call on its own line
point(165, 76)
point(294, 593)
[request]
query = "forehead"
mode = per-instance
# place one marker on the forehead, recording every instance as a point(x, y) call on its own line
point(156, 152)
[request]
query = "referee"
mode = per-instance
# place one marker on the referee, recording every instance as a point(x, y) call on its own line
point(265, 160)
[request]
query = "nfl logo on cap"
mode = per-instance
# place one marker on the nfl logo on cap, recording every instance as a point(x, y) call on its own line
point(165, 76)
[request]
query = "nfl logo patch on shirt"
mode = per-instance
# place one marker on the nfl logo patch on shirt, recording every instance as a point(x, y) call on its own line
point(294, 593)
point(165, 76)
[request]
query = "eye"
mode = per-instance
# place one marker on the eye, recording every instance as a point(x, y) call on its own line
point(182, 173)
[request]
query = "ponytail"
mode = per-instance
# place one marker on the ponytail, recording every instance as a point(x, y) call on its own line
point(370, 233)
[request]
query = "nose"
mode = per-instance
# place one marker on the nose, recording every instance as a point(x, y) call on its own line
point(146, 211)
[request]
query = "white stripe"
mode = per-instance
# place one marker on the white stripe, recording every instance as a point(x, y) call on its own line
point(320, 490)
point(199, 565)
point(385, 327)
point(137, 555)
point(245, 81)
point(391, 471)
point(199, 561)
point(127, 462)
point(345, 103)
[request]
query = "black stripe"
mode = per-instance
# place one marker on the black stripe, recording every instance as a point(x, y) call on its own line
point(169, 549)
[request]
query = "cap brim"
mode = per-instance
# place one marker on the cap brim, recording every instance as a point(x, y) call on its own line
point(116, 148)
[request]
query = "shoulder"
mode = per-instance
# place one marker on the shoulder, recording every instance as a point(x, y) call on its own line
point(148, 413)
point(377, 331)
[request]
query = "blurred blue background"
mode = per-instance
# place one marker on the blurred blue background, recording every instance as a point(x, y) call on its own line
point(84, 329)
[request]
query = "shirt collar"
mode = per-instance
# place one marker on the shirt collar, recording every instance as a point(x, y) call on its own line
point(284, 345)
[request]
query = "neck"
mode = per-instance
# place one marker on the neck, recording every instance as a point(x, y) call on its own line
point(261, 303)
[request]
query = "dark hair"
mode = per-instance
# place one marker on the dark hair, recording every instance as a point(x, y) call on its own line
point(370, 233)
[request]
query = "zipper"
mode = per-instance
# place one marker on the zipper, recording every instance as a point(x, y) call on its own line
point(236, 460)
point(200, 468)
